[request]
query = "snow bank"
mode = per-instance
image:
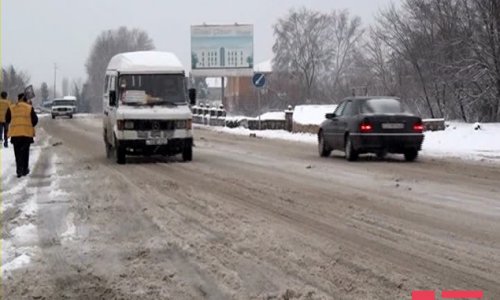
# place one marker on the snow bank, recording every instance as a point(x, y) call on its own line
point(273, 115)
point(269, 134)
point(7, 164)
point(20, 247)
point(24, 234)
point(462, 140)
point(17, 263)
point(55, 193)
point(264, 67)
point(236, 118)
point(311, 114)
point(215, 82)
point(86, 116)
point(10, 183)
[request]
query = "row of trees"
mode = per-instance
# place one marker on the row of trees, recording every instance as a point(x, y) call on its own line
point(13, 81)
point(108, 44)
point(88, 93)
point(441, 56)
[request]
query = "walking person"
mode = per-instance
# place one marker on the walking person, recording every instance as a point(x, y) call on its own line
point(22, 120)
point(4, 106)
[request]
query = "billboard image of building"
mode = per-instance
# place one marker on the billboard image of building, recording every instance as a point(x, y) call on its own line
point(222, 50)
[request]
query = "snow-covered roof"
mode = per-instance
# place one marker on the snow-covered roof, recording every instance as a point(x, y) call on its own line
point(273, 115)
point(311, 114)
point(64, 98)
point(215, 82)
point(146, 62)
point(264, 67)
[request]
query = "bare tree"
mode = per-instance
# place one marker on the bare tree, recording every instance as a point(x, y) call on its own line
point(454, 50)
point(442, 57)
point(410, 37)
point(108, 44)
point(311, 45)
point(346, 34)
point(379, 61)
point(13, 81)
point(300, 46)
point(485, 44)
point(44, 92)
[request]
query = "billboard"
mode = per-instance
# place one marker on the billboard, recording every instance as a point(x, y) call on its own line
point(222, 50)
point(29, 93)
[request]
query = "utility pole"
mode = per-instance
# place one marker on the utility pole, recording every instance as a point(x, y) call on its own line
point(258, 107)
point(55, 78)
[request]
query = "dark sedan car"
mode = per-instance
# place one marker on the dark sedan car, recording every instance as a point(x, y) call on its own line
point(377, 125)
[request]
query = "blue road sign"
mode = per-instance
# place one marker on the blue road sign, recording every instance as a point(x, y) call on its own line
point(259, 80)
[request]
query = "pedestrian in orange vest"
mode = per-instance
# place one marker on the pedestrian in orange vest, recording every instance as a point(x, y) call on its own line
point(22, 120)
point(4, 106)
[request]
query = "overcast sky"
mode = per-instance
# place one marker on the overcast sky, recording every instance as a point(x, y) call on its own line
point(38, 33)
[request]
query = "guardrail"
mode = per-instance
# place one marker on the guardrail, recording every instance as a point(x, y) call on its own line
point(217, 117)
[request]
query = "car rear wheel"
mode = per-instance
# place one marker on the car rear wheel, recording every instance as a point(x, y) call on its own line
point(411, 155)
point(322, 148)
point(53, 117)
point(350, 153)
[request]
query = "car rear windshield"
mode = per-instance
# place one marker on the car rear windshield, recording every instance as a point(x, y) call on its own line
point(382, 106)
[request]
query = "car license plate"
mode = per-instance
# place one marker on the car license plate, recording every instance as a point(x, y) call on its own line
point(393, 125)
point(155, 142)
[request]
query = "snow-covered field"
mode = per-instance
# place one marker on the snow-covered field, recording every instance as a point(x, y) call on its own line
point(462, 140)
point(459, 140)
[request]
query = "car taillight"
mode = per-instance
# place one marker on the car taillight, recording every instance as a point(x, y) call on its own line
point(120, 124)
point(365, 127)
point(418, 127)
point(189, 124)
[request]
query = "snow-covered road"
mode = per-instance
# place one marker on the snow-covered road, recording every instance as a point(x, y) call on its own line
point(251, 218)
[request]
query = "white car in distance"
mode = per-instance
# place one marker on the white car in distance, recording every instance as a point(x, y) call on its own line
point(63, 107)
